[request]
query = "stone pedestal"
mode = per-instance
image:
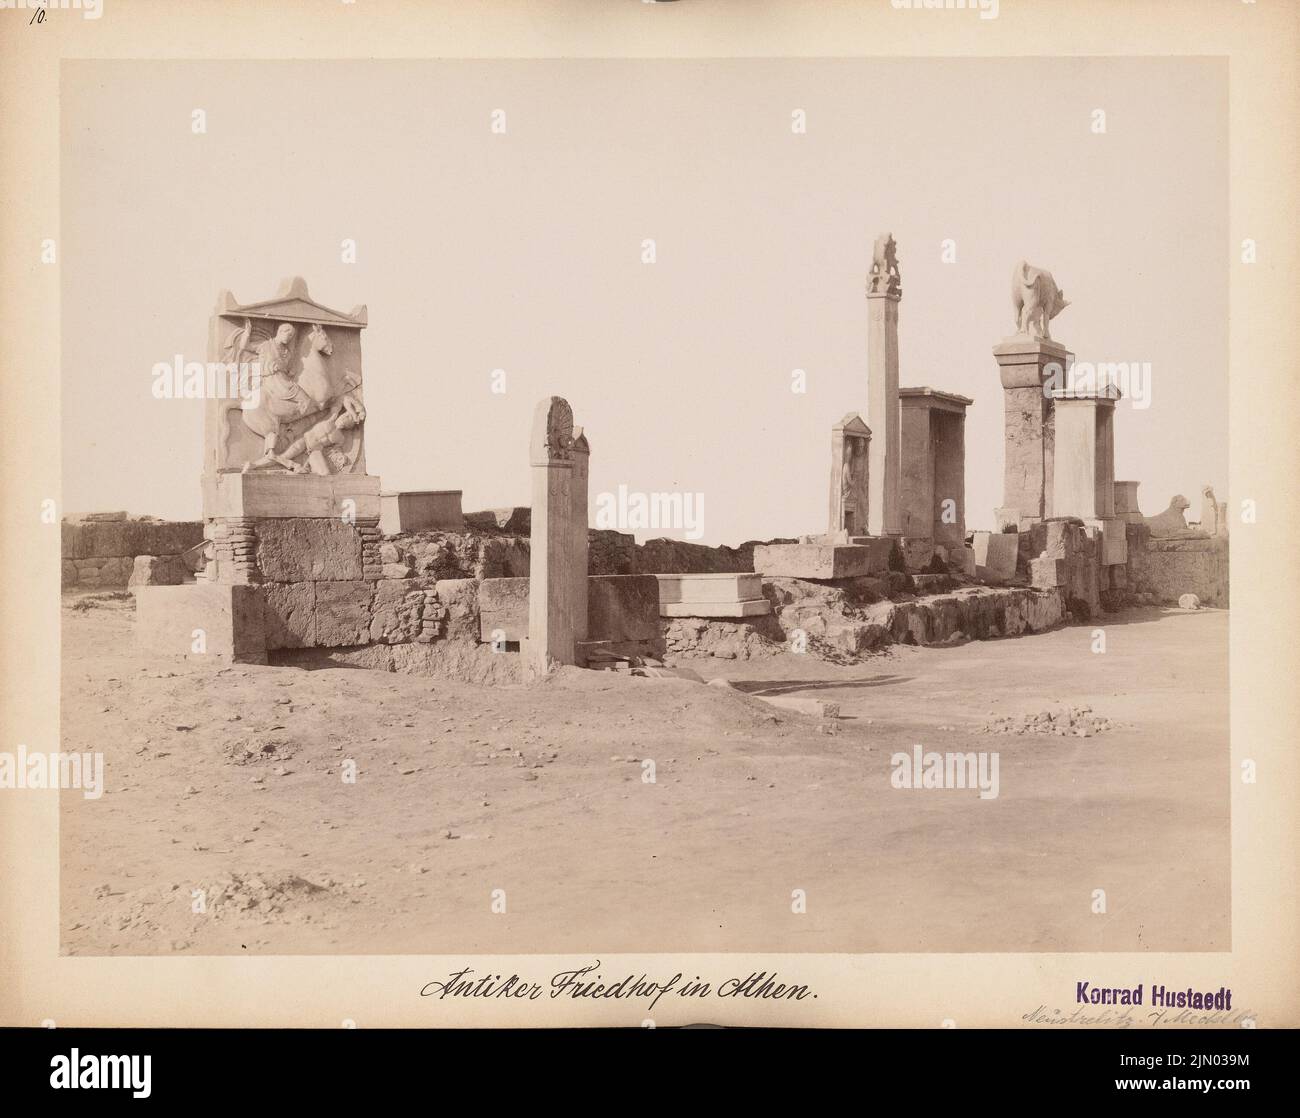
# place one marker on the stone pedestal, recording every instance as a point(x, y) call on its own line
point(1126, 502)
point(933, 453)
point(883, 514)
point(1084, 478)
point(1025, 364)
point(850, 477)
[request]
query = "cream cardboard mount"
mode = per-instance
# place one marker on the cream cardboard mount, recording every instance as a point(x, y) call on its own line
point(295, 447)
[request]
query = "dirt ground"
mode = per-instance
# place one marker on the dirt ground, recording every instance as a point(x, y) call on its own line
point(226, 792)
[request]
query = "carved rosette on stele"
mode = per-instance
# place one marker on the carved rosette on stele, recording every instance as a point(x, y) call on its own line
point(290, 443)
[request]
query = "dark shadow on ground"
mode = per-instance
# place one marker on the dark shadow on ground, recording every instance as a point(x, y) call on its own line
point(782, 686)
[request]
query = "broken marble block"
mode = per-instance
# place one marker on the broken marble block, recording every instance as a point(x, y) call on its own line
point(158, 570)
point(995, 555)
point(812, 560)
point(1047, 573)
point(962, 559)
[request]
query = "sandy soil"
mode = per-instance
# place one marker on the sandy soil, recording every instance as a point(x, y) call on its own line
point(228, 780)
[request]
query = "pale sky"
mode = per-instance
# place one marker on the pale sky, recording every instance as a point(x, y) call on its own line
point(523, 252)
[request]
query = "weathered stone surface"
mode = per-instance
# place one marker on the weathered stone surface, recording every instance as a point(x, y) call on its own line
point(1167, 568)
point(516, 520)
point(101, 573)
point(1029, 426)
point(302, 549)
point(725, 640)
point(290, 613)
point(399, 609)
point(623, 608)
point(421, 511)
point(995, 555)
point(503, 607)
point(342, 613)
point(916, 553)
point(158, 570)
point(1048, 573)
point(882, 549)
point(281, 494)
point(811, 560)
point(128, 538)
point(962, 559)
point(459, 596)
point(709, 587)
point(170, 619)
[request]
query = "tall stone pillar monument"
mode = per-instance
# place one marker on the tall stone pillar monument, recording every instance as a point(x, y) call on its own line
point(1031, 364)
point(551, 560)
point(884, 290)
point(580, 546)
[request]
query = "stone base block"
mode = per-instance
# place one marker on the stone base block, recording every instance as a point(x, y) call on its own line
point(881, 548)
point(345, 497)
point(709, 587)
point(1047, 574)
point(429, 510)
point(995, 555)
point(812, 560)
point(202, 619)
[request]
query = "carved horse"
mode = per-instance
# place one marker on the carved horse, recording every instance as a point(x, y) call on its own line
point(318, 388)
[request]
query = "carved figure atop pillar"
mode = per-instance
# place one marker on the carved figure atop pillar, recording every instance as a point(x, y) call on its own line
point(1036, 299)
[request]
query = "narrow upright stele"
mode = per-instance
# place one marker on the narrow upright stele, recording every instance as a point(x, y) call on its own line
point(884, 289)
point(551, 561)
point(578, 521)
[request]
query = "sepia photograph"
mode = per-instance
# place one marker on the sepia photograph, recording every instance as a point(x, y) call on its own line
point(629, 514)
point(664, 529)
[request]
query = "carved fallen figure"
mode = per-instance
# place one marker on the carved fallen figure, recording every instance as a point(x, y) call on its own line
point(283, 399)
point(1036, 299)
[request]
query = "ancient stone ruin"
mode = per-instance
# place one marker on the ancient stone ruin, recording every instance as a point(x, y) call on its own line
point(301, 557)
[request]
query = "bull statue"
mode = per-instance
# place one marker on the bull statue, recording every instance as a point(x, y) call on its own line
point(1037, 300)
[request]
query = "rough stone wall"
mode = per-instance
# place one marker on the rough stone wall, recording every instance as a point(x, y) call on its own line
point(1167, 568)
point(855, 616)
point(101, 554)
